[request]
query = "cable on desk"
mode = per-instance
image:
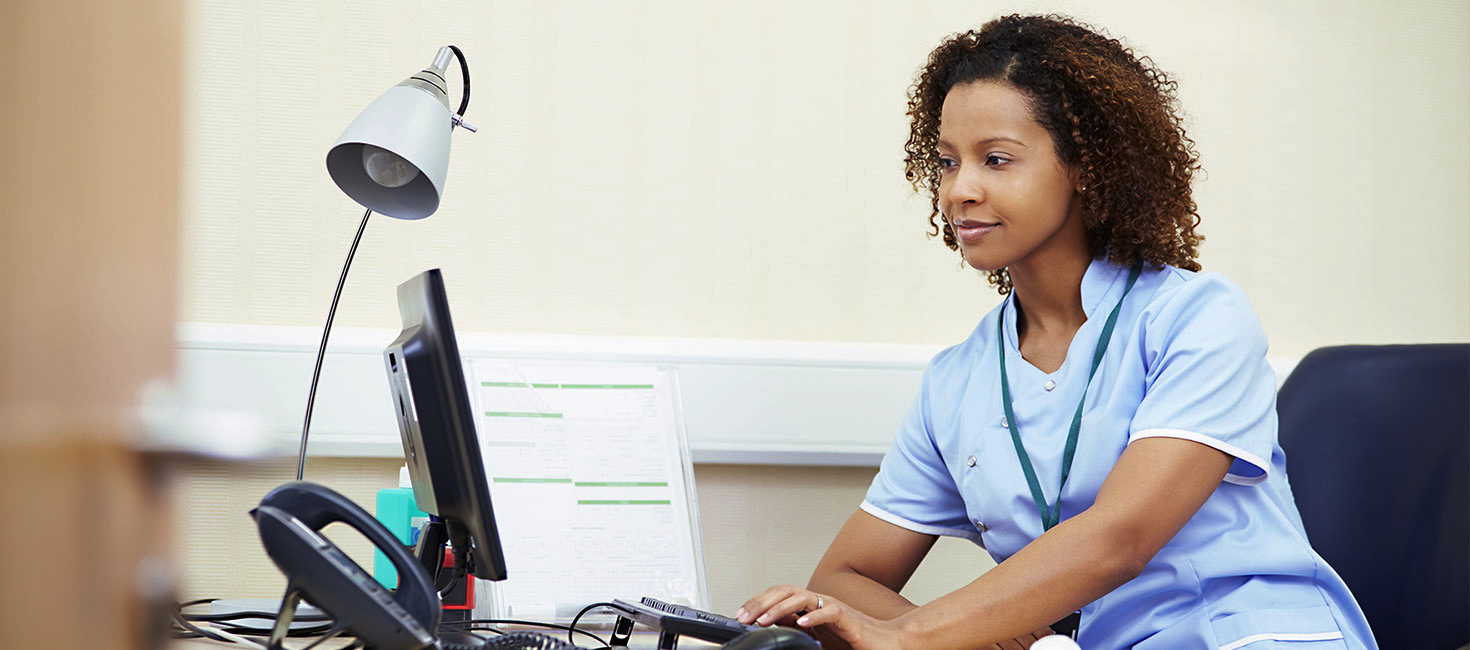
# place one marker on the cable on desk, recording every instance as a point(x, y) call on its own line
point(217, 635)
point(510, 621)
point(512, 641)
point(294, 632)
point(227, 624)
point(461, 639)
point(234, 616)
point(226, 629)
point(589, 608)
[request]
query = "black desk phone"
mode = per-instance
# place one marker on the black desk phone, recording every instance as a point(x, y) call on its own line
point(289, 518)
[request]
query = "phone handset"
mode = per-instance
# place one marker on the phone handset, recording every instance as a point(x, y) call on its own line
point(289, 518)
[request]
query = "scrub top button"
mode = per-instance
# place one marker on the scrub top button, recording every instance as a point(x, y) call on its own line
point(970, 461)
point(1004, 423)
point(1050, 385)
point(980, 525)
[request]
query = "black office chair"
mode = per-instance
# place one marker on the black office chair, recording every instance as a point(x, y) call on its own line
point(1377, 442)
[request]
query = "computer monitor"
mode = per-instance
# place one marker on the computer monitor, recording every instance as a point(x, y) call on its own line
point(437, 425)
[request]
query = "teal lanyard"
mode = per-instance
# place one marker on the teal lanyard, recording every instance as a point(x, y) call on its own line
point(1051, 515)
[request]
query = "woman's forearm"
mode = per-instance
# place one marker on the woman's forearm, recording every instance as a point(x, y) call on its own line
point(862, 592)
point(1157, 485)
point(1077, 562)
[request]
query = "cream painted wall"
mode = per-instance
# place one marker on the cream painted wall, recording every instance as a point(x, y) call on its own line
point(734, 170)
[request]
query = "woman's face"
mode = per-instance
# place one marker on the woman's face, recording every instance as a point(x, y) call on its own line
point(1003, 189)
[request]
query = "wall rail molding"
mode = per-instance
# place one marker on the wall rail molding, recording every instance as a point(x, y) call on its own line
point(744, 401)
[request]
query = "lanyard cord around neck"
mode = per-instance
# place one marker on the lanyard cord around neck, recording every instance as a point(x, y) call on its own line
point(1051, 515)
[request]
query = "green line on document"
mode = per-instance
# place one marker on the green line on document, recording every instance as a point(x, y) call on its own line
point(620, 502)
point(622, 484)
point(503, 384)
point(610, 386)
point(522, 414)
point(531, 480)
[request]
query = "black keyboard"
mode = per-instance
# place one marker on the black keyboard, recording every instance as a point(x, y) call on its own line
point(682, 620)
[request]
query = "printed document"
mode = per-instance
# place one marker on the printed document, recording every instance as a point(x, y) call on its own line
point(590, 479)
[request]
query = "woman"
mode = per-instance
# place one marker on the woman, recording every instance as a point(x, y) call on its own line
point(1114, 374)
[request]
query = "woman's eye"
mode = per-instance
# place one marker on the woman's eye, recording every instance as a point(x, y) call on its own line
point(946, 162)
point(992, 160)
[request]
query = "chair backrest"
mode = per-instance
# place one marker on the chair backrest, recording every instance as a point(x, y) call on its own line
point(1377, 442)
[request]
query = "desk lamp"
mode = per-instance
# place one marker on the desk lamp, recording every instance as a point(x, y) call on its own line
point(393, 160)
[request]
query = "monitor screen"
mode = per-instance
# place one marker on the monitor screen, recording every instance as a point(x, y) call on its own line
point(437, 425)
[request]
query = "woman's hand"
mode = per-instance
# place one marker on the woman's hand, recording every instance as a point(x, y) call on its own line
point(797, 607)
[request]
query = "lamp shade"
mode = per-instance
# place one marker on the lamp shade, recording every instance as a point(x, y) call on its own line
point(405, 131)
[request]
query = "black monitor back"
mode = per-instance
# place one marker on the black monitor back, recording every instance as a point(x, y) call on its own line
point(437, 424)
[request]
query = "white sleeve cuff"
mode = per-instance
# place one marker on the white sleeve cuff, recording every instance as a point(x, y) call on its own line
point(1233, 476)
point(896, 520)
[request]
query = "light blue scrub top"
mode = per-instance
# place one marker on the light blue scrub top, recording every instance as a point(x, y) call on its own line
point(1187, 360)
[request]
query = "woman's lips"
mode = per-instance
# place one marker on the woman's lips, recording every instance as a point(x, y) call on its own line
point(971, 231)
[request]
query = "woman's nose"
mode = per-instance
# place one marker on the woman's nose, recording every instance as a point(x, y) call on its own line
point(964, 187)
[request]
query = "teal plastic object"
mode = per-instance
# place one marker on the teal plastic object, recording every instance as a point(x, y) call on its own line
point(400, 514)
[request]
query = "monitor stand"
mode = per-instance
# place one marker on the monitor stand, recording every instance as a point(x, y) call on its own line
point(430, 551)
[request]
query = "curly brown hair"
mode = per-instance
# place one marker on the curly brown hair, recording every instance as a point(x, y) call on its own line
point(1110, 114)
